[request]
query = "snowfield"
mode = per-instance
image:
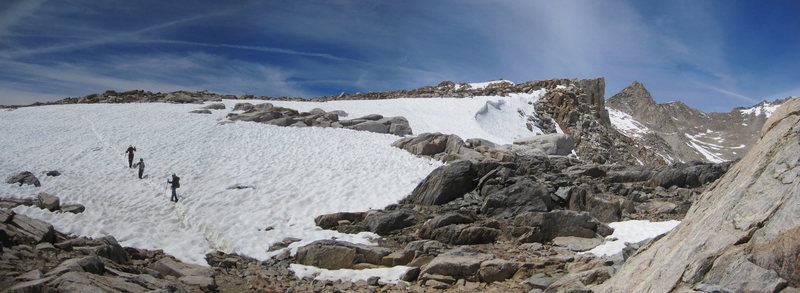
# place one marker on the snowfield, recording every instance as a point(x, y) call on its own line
point(498, 119)
point(244, 185)
point(296, 174)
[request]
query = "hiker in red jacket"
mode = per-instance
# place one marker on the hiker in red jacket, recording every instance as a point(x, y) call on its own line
point(130, 151)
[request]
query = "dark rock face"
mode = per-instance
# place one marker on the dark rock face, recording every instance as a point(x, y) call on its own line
point(24, 178)
point(523, 196)
point(691, 176)
point(383, 223)
point(563, 223)
point(444, 184)
point(201, 111)
point(581, 199)
point(453, 228)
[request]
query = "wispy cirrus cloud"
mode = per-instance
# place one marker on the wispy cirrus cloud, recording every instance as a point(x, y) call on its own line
point(12, 12)
point(155, 73)
point(679, 49)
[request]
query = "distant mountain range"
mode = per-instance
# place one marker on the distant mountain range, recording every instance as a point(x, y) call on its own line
point(678, 133)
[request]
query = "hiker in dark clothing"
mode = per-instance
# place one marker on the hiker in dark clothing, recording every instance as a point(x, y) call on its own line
point(175, 184)
point(130, 151)
point(140, 164)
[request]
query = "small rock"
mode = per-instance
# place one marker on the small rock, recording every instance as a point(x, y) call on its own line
point(24, 178)
point(73, 208)
point(47, 201)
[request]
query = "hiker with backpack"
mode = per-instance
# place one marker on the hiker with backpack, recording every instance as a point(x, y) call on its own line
point(140, 164)
point(175, 184)
point(130, 151)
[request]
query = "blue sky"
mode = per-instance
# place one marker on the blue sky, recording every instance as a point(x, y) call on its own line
point(712, 55)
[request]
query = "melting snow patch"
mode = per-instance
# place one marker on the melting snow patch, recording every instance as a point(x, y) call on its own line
point(631, 232)
point(387, 275)
point(626, 124)
point(705, 148)
point(766, 109)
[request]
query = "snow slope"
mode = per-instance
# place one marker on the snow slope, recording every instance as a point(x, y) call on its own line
point(297, 174)
point(498, 119)
point(626, 124)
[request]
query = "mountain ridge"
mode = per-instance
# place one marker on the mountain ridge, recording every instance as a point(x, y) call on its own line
point(682, 134)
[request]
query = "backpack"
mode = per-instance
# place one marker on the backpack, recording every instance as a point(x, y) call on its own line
point(177, 182)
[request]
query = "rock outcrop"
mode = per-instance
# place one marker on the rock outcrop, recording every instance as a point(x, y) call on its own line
point(280, 116)
point(36, 258)
point(24, 178)
point(740, 236)
point(579, 109)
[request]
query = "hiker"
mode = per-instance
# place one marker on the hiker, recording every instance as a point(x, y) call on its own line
point(175, 184)
point(140, 164)
point(130, 151)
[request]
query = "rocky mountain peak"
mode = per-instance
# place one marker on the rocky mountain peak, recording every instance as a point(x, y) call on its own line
point(632, 98)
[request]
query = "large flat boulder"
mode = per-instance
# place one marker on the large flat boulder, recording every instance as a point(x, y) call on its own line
point(32, 231)
point(550, 144)
point(557, 223)
point(332, 254)
point(383, 223)
point(457, 264)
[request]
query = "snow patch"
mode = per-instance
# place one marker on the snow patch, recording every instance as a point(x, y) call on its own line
point(626, 124)
point(631, 232)
point(387, 275)
point(705, 149)
point(765, 109)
